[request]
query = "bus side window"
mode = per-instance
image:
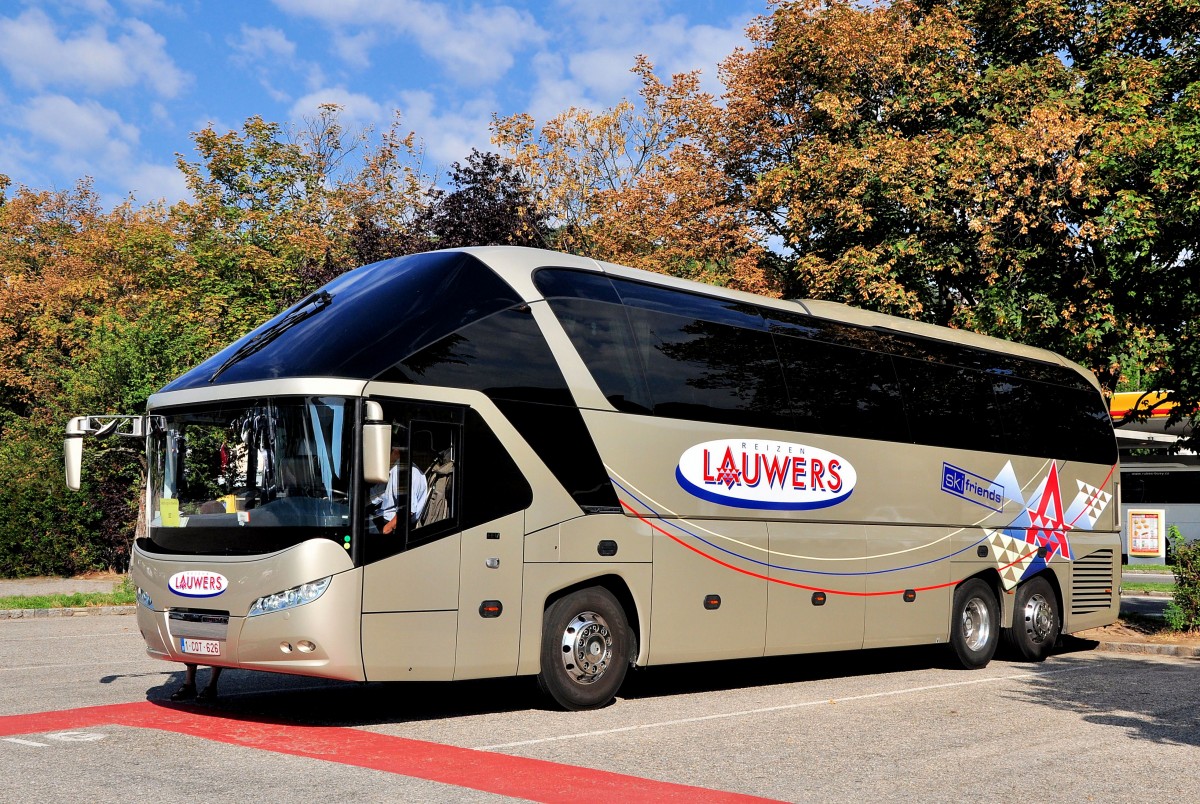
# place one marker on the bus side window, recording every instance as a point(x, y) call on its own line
point(420, 502)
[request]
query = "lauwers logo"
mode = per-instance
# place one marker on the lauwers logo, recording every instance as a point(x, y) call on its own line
point(774, 475)
point(197, 583)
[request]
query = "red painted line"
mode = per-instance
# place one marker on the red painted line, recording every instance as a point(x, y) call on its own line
point(503, 774)
point(714, 559)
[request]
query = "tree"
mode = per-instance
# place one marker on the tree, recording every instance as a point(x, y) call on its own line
point(1022, 169)
point(489, 206)
point(636, 184)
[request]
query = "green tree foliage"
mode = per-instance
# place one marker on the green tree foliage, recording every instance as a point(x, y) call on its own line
point(1024, 169)
point(1183, 612)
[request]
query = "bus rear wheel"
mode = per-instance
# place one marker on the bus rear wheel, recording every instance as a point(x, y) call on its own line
point(974, 624)
point(585, 649)
point(1036, 622)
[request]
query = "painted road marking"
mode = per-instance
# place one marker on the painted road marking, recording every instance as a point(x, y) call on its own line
point(97, 663)
point(25, 742)
point(502, 774)
point(769, 709)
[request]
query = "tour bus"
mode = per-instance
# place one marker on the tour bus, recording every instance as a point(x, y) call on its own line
point(499, 461)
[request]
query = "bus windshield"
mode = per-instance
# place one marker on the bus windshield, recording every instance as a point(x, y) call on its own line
point(250, 477)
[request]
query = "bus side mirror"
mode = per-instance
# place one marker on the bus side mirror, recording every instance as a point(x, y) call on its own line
point(73, 451)
point(377, 445)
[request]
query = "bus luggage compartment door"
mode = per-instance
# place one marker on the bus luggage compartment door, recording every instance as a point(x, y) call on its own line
point(489, 621)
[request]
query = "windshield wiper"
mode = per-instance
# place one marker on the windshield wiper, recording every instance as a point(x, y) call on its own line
point(310, 306)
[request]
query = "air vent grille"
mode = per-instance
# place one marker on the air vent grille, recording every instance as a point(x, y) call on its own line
point(1092, 582)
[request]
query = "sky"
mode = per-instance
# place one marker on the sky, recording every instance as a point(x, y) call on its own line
point(113, 89)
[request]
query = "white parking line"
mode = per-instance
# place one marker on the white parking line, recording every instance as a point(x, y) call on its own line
point(767, 709)
point(61, 666)
point(68, 636)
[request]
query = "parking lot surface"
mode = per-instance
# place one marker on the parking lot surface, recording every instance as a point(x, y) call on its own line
point(84, 715)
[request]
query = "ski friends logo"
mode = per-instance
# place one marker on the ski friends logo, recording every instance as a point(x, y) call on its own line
point(770, 475)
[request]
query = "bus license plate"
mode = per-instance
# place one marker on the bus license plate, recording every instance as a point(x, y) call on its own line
point(203, 647)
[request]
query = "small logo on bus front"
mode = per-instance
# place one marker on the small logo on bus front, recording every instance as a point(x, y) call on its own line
point(762, 474)
point(197, 583)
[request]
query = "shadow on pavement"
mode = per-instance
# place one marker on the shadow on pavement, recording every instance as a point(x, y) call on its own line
point(1150, 700)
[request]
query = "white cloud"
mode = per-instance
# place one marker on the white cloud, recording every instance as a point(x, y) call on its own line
point(149, 182)
point(476, 46)
point(357, 110)
point(263, 44)
point(37, 57)
point(448, 134)
point(605, 72)
point(271, 56)
point(355, 49)
point(553, 91)
point(597, 73)
point(83, 128)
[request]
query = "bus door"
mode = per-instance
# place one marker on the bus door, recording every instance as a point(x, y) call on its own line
point(443, 550)
point(411, 544)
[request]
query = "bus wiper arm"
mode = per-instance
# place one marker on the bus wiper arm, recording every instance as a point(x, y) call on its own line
point(310, 306)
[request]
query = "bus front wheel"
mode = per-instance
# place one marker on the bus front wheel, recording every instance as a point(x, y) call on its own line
point(974, 624)
point(585, 649)
point(1036, 622)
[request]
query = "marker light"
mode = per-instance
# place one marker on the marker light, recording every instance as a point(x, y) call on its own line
point(290, 598)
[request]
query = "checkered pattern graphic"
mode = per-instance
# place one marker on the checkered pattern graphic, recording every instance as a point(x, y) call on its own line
point(1088, 505)
point(1013, 555)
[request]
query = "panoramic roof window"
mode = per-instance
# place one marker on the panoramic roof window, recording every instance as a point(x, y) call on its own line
point(362, 322)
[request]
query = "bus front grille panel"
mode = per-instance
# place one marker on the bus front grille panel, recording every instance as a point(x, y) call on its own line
point(1092, 582)
point(198, 624)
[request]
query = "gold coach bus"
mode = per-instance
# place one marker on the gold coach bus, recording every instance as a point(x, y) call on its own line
point(498, 461)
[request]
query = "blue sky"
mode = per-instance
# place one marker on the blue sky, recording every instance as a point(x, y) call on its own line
point(112, 89)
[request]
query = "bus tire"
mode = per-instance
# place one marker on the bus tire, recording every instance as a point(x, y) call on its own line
point(585, 649)
point(974, 624)
point(1036, 621)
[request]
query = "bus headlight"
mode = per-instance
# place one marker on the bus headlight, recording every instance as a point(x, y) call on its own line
point(290, 598)
point(144, 600)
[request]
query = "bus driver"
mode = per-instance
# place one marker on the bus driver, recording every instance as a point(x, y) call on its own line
point(389, 501)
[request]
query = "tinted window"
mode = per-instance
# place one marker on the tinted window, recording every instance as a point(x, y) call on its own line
point(497, 486)
point(559, 283)
point(1052, 421)
point(689, 305)
point(421, 501)
point(926, 349)
point(600, 332)
point(705, 358)
point(504, 355)
point(950, 406)
point(699, 369)
point(561, 439)
point(671, 353)
point(376, 315)
point(841, 390)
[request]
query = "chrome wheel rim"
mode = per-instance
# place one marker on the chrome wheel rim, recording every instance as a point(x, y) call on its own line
point(1039, 618)
point(976, 624)
point(587, 648)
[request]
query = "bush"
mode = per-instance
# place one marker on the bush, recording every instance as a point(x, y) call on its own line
point(1183, 612)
